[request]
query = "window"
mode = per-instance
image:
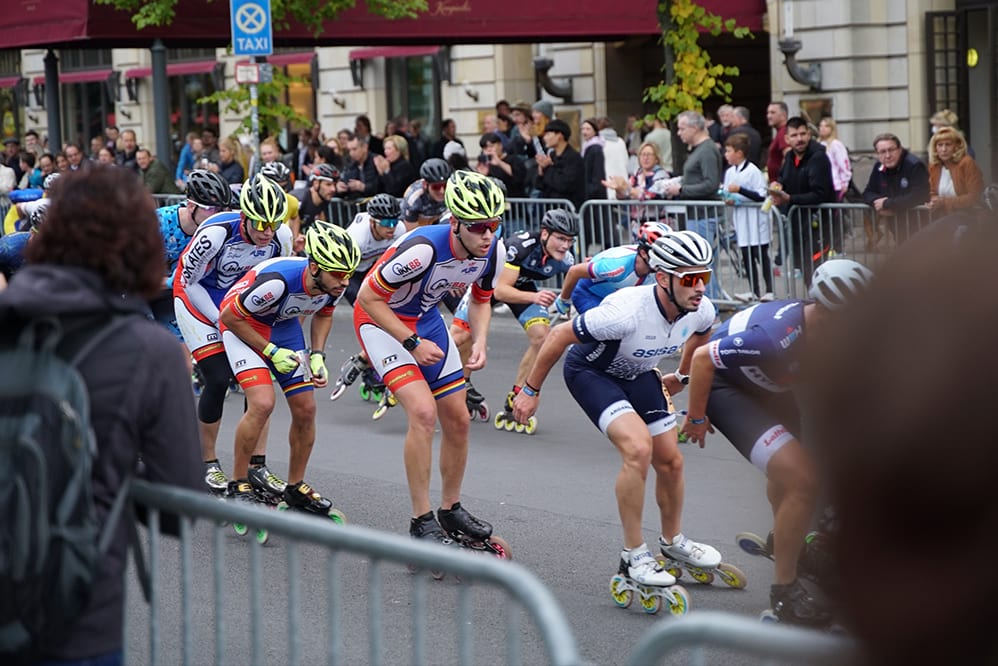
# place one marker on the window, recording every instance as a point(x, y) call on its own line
point(414, 91)
point(86, 107)
point(947, 72)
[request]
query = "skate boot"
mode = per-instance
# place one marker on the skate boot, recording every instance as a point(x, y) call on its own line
point(814, 564)
point(504, 420)
point(348, 375)
point(267, 485)
point(388, 400)
point(241, 492)
point(793, 604)
point(471, 532)
point(301, 497)
point(371, 388)
point(214, 477)
point(639, 572)
point(701, 561)
point(426, 527)
point(477, 407)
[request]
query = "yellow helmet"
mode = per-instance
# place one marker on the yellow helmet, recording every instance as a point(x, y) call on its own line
point(263, 201)
point(472, 196)
point(331, 247)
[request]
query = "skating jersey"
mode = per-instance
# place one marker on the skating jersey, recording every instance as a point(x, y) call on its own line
point(12, 248)
point(274, 291)
point(370, 247)
point(628, 334)
point(175, 239)
point(524, 251)
point(218, 256)
point(419, 269)
point(417, 204)
point(758, 349)
point(609, 271)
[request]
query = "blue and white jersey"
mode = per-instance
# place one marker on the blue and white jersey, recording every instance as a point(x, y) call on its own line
point(175, 239)
point(609, 271)
point(418, 206)
point(370, 247)
point(628, 333)
point(758, 349)
point(274, 291)
point(524, 251)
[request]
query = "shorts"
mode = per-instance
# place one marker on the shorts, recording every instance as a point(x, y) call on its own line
point(604, 398)
point(527, 314)
point(251, 368)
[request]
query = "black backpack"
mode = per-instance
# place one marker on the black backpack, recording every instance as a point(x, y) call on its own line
point(51, 543)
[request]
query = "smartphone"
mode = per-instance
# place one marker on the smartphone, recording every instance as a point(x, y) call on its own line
point(483, 158)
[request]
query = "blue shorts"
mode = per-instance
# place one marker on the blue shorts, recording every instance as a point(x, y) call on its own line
point(527, 314)
point(603, 398)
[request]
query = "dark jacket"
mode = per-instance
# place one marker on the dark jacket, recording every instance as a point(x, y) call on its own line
point(366, 172)
point(140, 396)
point(565, 178)
point(595, 172)
point(905, 186)
point(157, 179)
point(754, 143)
point(808, 179)
point(515, 182)
point(400, 175)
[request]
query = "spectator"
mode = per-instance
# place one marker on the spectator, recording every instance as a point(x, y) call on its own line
point(448, 133)
point(360, 179)
point(632, 137)
point(594, 171)
point(33, 144)
point(8, 183)
point(96, 143)
point(560, 171)
point(185, 161)
point(342, 139)
point(62, 162)
point(105, 156)
point(503, 108)
point(209, 142)
point(362, 131)
point(456, 156)
point(230, 168)
point(395, 171)
point(662, 138)
point(26, 162)
point(805, 180)
point(497, 164)
point(154, 174)
point(898, 183)
point(955, 181)
point(139, 382)
point(615, 156)
point(838, 156)
point(270, 150)
point(542, 112)
point(647, 183)
point(12, 148)
point(776, 116)
point(125, 156)
point(740, 125)
point(315, 201)
point(721, 128)
point(111, 135)
point(744, 182)
point(505, 128)
point(74, 157)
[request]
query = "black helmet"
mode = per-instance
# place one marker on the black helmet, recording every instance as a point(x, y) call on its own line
point(277, 171)
point(560, 220)
point(37, 216)
point(384, 207)
point(325, 171)
point(435, 170)
point(208, 189)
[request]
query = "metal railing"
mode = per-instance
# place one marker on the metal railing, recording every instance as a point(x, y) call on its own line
point(205, 614)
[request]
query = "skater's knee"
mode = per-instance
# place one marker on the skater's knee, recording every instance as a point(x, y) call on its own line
point(636, 455)
point(670, 465)
point(422, 416)
point(303, 412)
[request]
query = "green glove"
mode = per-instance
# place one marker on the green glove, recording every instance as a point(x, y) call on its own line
point(317, 363)
point(284, 360)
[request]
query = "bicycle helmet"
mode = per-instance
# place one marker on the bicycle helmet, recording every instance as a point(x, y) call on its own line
point(208, 189)
point(50, 181)
point(325, 172)
point(470, 196)
point(989, 197)
point(37, 216)
point(277, 171)
point(384, 207)
point(331, 247)
point(263, 200)
point(650, 231)
point(838, 281)
point(435, 170)
point(560, 220)
point(679, 249)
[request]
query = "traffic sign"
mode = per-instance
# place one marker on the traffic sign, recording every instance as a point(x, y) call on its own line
point(252, 29)
point(247, 73)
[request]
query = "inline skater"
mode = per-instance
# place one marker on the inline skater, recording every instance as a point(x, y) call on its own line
point(315, 201)
point(262, 333)
point(373, 231)
point(397, 319)
point(423, 201)
point(279, 172)
point(530, 256)
point(221, 251)
point(12, 246)
point(744, 383)
point(611, 372)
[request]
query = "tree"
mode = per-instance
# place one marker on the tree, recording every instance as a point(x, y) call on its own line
point(310, 13)
point(693, 75)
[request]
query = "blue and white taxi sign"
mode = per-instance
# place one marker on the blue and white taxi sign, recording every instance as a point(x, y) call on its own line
point(252, 29)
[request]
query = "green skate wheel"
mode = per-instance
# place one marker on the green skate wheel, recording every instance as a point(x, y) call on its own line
point(262, 536)
point(337, 517)
point(365, 392)
point(240, 528)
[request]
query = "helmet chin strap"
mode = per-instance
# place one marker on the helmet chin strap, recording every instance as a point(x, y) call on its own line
point(457, 232)
point(672, 298)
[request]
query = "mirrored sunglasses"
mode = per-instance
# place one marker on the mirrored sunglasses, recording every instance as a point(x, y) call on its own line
point(690, 279)
point(482, 227)
point(388, 222)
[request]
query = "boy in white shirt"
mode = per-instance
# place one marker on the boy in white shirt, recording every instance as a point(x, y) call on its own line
point(744, 182)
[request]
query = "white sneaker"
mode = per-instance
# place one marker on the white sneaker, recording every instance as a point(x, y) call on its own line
point(692, 553)
point(644, 569)
point(501, 309)
point(767, 297)
point(745, 296)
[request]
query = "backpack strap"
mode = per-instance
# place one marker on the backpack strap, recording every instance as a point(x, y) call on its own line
point(117, 321)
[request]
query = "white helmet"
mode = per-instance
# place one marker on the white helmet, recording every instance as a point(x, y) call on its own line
point(679, 249)
point(838, 281)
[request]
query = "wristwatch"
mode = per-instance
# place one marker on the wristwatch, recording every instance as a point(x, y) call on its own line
point(681, 378)
point(411, 342)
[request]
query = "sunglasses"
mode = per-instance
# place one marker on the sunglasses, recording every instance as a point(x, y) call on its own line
point(261, 225)
point(388, 222)
point(691, 279)
point(438, 187)
point(482, 227)
point(211, 210)
point(340, 275)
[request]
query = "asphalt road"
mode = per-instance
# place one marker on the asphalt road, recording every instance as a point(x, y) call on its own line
point(550, 495)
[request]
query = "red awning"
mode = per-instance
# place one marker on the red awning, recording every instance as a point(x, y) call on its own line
point(84, 76)
point(295, 58)
point(175, 69)
point(393, 52)
point(9, 81)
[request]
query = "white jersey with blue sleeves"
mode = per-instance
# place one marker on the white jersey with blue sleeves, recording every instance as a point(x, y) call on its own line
point(609, 271)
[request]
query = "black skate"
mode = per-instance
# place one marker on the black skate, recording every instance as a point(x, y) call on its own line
point(475, 401)
point(241, 492)
point(269, 488)
point(371, 388)
point(504, 420)
point(426, 527)
point(471, 532)
point(792, 604)
point(301, 497)
point(814, 564)
point(349, 373)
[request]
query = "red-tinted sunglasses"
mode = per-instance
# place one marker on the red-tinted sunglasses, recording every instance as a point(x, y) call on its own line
point(482, 227)
point(691, 279)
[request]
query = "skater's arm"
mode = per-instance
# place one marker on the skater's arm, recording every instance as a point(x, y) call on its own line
point(701, 378)
point(696, 341)
point(425, 353)
point(560, 337)
point(572, 277)
point(479, 318)
point(319, 331)
point(508, 293)
point(242, 328)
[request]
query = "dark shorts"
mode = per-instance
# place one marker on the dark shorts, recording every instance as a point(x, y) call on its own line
point(603, 398)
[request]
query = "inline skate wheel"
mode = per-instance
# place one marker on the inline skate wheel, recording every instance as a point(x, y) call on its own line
point(240, 528)
point(681, 600)
point(376, 395)
point(500, 548)
point(499, 421)
point(752, 544)
point(337, 517)
point(282, 506)
point(672, 569)
point(768, 617)
point(621, 592)
point(732, 576)
point(702, 576)
point(338, 390)
point(519, 428)
point(262, 536)
point(379, 412)
point(651, 603)
point(531, 426)
point(483, 412)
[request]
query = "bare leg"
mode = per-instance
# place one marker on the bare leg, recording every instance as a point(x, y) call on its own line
point(792, 492)
point(421, 409)
point(259, 406)
point(302, 433)
point(454, 424)
point(670, 483)
point(631, 437)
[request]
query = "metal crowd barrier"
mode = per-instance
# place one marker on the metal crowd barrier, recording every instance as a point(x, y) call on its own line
point(526, 214)
point(280, 597)
point(168, 199)
point(749, 637)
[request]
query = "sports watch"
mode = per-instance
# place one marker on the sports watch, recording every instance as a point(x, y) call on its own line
point(411, 342)
point(681, 378)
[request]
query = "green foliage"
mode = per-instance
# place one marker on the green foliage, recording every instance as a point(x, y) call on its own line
point(272, 112)
point(695, 77)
